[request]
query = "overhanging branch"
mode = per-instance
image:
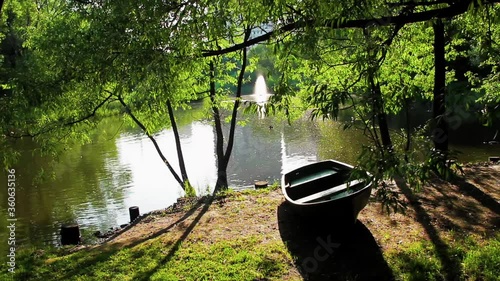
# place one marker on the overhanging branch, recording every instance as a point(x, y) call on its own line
point(455, 9)
point(157, 147)
point(67, 124)
point(92, 114)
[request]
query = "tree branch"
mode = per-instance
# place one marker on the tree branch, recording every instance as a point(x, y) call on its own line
point(91, 114)
point(416, 4)
point(458, 8)
point(69, 123)
point(163, 158)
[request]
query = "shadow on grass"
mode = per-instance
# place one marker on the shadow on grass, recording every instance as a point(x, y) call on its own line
point(324, 251)
point(147, 275)
point(451, 266)
point(189, 213)
point(476, 193)
point(87, 258)
point(450, 209)
point(78, 266)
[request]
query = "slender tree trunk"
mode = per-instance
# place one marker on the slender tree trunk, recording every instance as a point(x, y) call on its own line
point(234, 115)
point(408, 128)
point(163, 158)
point(223, 158)
point(380, 113)
point(219, 137)
point(440, 133)
point(182, 166)
point(376, 93)
point(382, 121)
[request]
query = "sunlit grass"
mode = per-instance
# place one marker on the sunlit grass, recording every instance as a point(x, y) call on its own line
point(416, 262)
point(483, 263)
point(244, 258)
point(420, 260)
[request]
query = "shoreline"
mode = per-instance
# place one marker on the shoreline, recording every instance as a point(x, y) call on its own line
point(449, 230)
point(184, 202)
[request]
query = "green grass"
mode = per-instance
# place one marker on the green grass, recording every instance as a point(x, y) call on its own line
point(241, 259)
point(245, 258)
point(421, 261)
point(231, 260)
point(416, 262)
point(242, 194)
point(483, 263)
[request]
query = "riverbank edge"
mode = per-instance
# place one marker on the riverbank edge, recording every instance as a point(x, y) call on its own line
point(185, 203)
point(421, 248)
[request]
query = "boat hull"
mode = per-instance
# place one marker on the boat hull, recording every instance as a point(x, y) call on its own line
point(319, 191)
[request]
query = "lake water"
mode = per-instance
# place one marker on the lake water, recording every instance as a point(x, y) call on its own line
point(95, 184)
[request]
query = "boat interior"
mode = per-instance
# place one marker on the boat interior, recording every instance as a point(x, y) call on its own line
point(313, 185)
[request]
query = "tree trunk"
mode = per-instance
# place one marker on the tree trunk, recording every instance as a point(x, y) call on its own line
point(232, 129)
point(182, 166)
point(440, 132)
point(219, 137)
point(382, 121)
point(157, 147)
point(378, 106)
point(408, 128)
point(222, 182)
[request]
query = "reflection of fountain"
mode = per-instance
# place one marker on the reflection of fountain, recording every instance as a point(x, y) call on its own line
point(261, 94)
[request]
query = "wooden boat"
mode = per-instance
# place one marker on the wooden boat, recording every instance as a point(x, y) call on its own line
point(325, 189)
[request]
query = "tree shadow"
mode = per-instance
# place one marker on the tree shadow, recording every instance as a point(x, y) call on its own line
point(460, 205)
point(450, 208)
point(173, 249)
point(82, 260)
point(325, 251)
point(88, 258)
point(476, 193)
point(190, 212)
point(451, 266)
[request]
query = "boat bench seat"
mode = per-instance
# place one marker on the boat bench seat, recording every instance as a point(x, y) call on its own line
point(328, 192)
point(313, 177)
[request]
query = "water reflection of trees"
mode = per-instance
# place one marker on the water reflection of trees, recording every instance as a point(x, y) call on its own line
point(256, 154)
point(79, 184)
point(340, 144)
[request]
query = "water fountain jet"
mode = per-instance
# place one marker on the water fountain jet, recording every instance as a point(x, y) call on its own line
point(261, 94)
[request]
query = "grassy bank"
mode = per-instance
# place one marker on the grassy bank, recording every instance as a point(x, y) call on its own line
point(448, 233)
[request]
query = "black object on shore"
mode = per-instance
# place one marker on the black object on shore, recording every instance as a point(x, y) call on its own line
point(70, 234)
point(133, 212)
point(261, 184)
point(326, 189)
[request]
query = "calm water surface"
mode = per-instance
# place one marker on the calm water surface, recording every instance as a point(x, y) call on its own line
point(95, 184)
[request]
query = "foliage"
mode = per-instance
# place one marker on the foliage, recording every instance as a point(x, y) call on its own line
point(68, 63)
point(189, 190)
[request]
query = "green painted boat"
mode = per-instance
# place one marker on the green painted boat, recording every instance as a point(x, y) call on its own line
point(326, 188)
